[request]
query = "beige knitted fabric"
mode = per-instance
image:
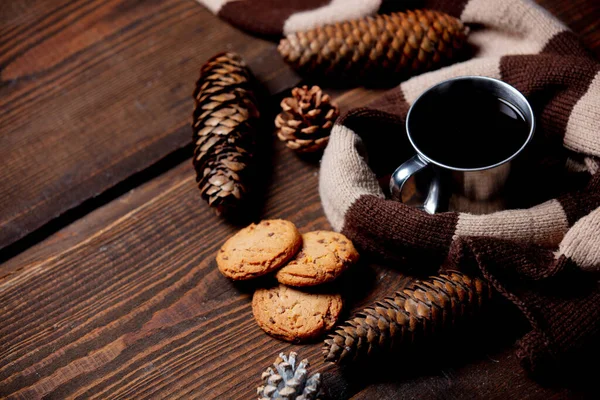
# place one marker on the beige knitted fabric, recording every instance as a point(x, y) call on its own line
point(582, 243)
point(343, 189)
point(334, 11)
point(545, 224)
point(582, 131)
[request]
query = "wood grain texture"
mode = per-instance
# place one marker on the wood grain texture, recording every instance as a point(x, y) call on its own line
point(128, 303)
point(139, 310)
point(78, 231)
point(142, 297)
point(94, 91)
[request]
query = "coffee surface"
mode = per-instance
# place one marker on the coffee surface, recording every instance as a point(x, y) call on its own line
point(467, 128)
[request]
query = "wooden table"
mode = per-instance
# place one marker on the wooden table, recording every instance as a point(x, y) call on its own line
point(108, 284)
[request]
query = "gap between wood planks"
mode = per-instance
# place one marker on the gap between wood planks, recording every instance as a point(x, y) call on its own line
point(165, 164)
point(168, 162)
point(346, 99)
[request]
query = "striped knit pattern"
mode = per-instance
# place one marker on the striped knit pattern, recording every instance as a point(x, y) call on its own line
point(556, 226)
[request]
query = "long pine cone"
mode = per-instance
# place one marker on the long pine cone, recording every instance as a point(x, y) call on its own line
point(376, 47)
point(224, 123)
point(420, 310)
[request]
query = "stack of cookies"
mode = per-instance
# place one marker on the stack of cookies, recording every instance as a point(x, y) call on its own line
point(296, 261)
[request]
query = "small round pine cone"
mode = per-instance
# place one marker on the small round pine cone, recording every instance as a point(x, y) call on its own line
point(306, 119)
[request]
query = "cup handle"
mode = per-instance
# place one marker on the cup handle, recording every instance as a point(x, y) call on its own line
point(408, 169)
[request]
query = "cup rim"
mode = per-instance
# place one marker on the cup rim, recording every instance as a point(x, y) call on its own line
point(474, 77)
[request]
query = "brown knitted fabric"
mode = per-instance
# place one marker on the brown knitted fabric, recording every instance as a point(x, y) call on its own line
point(550, 231)
point(276, 17)
point(559, 301)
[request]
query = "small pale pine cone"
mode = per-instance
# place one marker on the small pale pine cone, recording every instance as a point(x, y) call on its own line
point(306, 119)
point(289, 379)
point(376, 48)
point(422, 309)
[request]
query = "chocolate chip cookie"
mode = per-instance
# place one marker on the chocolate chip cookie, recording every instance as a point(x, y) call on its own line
point(293, 315)
point(324, 256)
point(259, 249)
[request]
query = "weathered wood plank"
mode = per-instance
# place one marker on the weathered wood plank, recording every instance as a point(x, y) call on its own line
point(81, 229)
point(138, 291)
point(139, 310)
point(97, 220)
point(94, 91)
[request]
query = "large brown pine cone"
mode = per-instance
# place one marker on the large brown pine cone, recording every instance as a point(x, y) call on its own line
point(306, 120)
point(420, 310)
point(224, 123)
point(376, 48)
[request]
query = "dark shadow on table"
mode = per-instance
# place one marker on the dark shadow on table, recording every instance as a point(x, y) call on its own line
point(443, 366)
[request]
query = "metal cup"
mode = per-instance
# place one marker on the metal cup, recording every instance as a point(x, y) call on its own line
point(476, 184)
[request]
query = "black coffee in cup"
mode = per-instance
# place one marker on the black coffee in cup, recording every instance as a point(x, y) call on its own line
point(466, 130)
point(463, 127)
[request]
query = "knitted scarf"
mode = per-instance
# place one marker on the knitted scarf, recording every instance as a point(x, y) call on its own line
point(543, 250)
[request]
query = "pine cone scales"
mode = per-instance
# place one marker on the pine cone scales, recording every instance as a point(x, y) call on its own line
point(306, 119)
point(376, 47)
point(420, 310)
point(224, 124)
point(289, 380)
